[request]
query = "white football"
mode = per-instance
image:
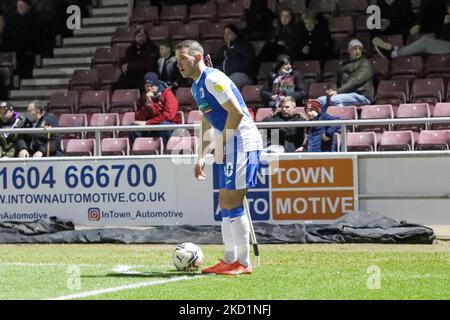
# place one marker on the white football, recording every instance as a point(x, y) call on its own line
point(187, 257)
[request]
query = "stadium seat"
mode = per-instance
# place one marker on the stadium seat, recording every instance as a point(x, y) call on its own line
point(211, 30)
point(252, 95)
point(147, 146)
point(108, 76)
point(128, 119)
point(310, 69)
point(397, 141)
point(263, 72)
point(344, 113)
point(227, 10)
point(433, 140)
point(194, 116)
point(205, 11)
point(72, 120)
point(316, 90)
point(212, 46)
point(263, 113)
point(84, 79)
point(351, 7)
point(441, 110)
point(438, 66)
point(181, 145)
point(115, 146)
point(323, 6)
point(341, 41)
point(124, 100)
point(104, 119)
point(185, 99)
point(409, 67)
point(80, 147)
point(174, 13)
point(341, 25)
point(412, 110)
point(360, 23)
point(184, 31)
point(392, 92)
point(158, 33)
point(123, 35)
point(63, 102)
point(361, 141)
point(94, 102)
point(106, 56)
point(297, 6)
point(384, 111)
point(429, 91)
point(330, 70)
point(380, 68)
point(144, 15)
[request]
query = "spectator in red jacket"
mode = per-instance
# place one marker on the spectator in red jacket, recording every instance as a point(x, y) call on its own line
point(157, 106)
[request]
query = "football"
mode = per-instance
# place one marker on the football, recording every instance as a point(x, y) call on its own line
point(187, 257)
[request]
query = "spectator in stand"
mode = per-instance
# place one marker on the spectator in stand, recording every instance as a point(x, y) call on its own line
point(397, 17)
point(355, 80)
point(9, 119)
point(167, 67)
point(289, 138)
point(259, 19)
point(157, 106)
point(141, 57)
point(320, 138)
point(42, 144)
point(283, 37)
point(235, 58)
point(283, 81)
point(20, 35)
point(315, 38)
point(424, 44)
point(430, 17)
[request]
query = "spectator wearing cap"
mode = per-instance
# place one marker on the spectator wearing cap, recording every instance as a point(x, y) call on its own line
point(42, 144)
point(158, 105)
point(355, 80)
point(321, 138)
point(9, 119)
point(141, 57)
point(236, 57)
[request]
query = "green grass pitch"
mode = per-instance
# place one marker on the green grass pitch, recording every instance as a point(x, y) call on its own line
point(357, 271)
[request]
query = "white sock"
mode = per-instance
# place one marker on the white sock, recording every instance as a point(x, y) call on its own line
point(227, 237)
point(394, 52)
point(240, 228)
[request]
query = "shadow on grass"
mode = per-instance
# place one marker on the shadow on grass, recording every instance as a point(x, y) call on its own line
point(166, 275)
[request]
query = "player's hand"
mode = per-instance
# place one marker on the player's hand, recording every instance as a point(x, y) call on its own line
point(140, 123)
point(198, 171)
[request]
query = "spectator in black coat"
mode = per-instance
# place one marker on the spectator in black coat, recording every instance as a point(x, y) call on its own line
point(167, 67)
point(236, 57)
point(397, 17)
point(283, 81)
point(38, 145)
point(141, 57)
point(315, 41)
point(290, 138)
point(259, 19)
point(430, 17)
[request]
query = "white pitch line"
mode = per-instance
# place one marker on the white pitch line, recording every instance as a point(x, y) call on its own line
point(51, 264)
point(126, 287)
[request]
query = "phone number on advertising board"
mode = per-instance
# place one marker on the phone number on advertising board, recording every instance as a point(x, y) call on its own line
point(86, 176)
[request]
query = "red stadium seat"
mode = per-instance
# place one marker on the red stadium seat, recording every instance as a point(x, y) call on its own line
point(341, 25)
point(380, 68)
point(441, 110)
point(263, 113)
point(316, 90)
point(438, 66)
point(297, 6)
point(106, 56)
point(310, 69)
point(263, 71)
point(351, 7)
point(108, 76)
point(433, 140)
point(124, 35)
point(384, 111)
point(104, 120)
point(181, 145)
point(174, 13)
point(392, 92)
point(194, 117)
point(211, 30)
point(330, 70)
point(429, 91)
point(142, 15)
point(394, 39)
point(185, 99)
point(158, 33)
point(409, 67)
point(252, 95)
point(212, 46)
point(128, 119)
point(147, 146)
point(184, 31)
point(115, 146)
point(206, 11)
point(84, 79)
point(361, 141)
point(413, 110)
point(80, 147)
point(344, 113)
point(323, 6)
point(124, 100)
point(63, 102)
point(397, 141)
point(94, 102)
point(227, 10)
point(72, 120)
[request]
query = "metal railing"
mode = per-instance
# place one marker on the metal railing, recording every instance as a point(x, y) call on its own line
point(344, 124)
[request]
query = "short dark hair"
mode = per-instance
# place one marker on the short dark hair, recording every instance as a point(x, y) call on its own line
point(166, 43)
point(193, 46)
point(38, 105)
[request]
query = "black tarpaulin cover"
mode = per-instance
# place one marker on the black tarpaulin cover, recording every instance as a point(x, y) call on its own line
point(359, 227)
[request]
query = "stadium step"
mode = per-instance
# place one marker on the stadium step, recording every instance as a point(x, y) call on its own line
point(33, 94)
point(74, 52)
point(110, 11)
point(94, 31)
point(104, 21)
point(69, 62)
point(44, 83)
point(54, 72)
point(114, 3)
point(86, 41)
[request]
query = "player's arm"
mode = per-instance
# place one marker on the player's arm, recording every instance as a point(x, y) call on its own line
point(198, 170)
